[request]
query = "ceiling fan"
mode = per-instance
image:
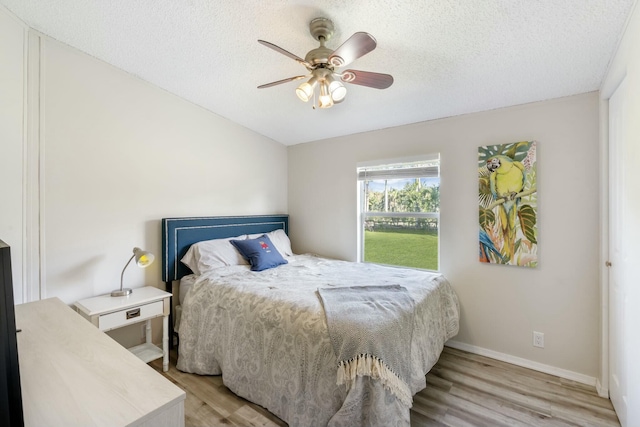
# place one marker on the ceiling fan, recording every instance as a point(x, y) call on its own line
point(322, 63)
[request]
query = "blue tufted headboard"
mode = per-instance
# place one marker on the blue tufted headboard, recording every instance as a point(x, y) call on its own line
point(178, 234)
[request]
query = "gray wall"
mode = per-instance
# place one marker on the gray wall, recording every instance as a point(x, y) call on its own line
point(501, 306)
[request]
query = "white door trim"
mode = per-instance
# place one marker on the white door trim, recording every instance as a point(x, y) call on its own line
point(33, 181)
point(602, 383)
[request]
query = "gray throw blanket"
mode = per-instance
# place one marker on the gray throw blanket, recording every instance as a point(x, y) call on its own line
point(371, 328)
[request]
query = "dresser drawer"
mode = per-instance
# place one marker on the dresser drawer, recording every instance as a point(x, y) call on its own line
point(130, 315)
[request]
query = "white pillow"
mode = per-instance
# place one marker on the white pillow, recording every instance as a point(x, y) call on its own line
point(209, 254)
point(280, 239)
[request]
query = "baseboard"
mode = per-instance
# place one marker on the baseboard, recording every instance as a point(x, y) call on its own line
point(602, 391)
point(525, 363)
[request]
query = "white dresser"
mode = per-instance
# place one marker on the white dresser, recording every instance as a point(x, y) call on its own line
point(72, 374)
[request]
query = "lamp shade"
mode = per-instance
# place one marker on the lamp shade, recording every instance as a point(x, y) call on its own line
point(325, 100)
point(338, 91)
point(143, 259)
point(305, 90)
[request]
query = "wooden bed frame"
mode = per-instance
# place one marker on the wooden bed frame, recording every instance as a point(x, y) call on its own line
point(178, 234)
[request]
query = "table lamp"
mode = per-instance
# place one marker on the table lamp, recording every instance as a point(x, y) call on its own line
point(143, 259)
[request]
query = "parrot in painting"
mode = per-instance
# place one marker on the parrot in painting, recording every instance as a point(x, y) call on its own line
point(506, 180)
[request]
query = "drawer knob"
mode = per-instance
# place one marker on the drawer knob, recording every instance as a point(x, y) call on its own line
point(133, 313)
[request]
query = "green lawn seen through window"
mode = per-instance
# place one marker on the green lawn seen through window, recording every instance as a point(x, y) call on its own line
point(408, 248)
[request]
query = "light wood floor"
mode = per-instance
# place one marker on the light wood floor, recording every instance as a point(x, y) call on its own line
point(463, 389)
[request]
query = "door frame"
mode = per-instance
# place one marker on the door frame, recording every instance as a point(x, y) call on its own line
point(602, 383)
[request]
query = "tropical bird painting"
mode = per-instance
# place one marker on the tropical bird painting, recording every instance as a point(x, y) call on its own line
point(507, 200)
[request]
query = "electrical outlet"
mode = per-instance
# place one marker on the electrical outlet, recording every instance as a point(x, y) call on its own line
point(538, 339)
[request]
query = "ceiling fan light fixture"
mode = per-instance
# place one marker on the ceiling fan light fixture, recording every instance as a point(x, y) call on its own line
point(322, 63)
point(337, 91)
point(325, 100)
point(306, 89)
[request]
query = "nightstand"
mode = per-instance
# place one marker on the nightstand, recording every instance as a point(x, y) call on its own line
point(107, 313)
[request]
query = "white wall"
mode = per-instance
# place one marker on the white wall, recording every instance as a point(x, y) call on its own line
point(501, 306)
point(626, 65)
point(116, 155)
point(12, 73)
point(119, 155)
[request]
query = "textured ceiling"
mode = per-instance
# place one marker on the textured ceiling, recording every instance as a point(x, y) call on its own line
point(447, 57)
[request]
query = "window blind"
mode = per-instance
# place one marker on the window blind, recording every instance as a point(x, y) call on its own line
point(369, 174)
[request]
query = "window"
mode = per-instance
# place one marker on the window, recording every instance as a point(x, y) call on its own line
point(399, 212)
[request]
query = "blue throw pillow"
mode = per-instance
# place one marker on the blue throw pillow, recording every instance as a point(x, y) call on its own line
point(260, 253)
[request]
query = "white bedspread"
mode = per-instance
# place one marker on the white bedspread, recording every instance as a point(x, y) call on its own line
point(266, 333)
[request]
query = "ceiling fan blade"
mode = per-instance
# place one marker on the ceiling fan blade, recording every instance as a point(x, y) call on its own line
point(285, 52)
point(279, 82)
point(356, 46)
point(367, 78)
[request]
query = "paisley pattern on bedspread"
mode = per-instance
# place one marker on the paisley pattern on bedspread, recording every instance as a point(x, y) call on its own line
point(266, 333)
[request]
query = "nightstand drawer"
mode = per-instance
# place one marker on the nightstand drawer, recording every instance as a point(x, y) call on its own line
point(130, 315)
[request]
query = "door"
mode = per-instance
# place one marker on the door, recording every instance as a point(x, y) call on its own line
point(618, 256)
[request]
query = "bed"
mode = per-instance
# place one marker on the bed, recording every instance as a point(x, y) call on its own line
point(282, 337)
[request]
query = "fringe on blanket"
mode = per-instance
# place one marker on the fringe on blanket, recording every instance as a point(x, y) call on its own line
point(368, 365)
